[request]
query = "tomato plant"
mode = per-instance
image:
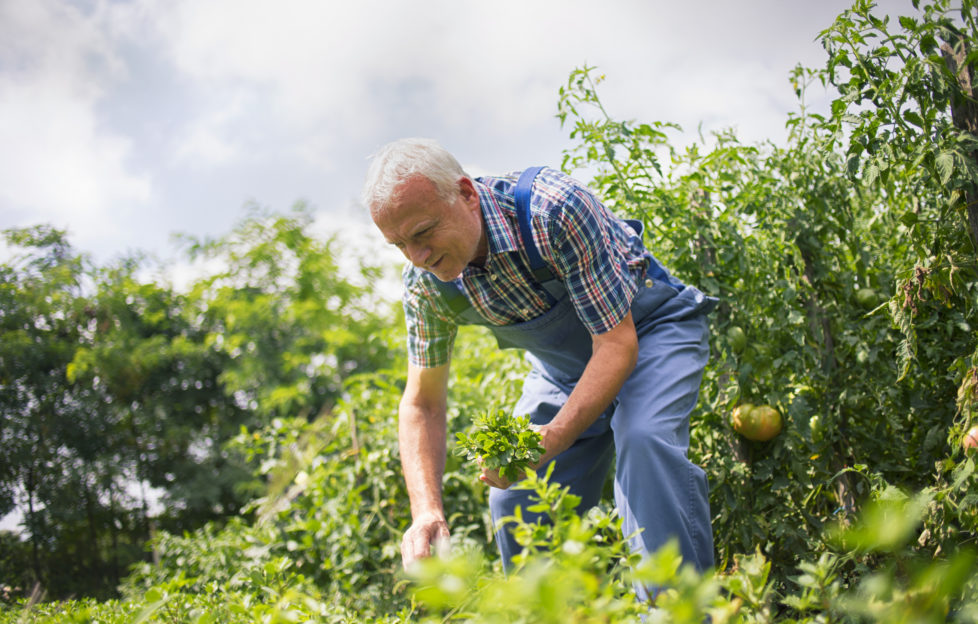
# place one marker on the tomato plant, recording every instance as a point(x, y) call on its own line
point(849, 253)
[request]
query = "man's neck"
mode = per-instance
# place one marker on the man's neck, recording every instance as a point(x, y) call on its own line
point(482, 252)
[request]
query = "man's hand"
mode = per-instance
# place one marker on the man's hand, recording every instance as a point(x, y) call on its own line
point(418, 539)
point(552, 445)
point(493, 478)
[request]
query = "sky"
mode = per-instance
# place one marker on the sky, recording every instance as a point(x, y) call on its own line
point(125, 122)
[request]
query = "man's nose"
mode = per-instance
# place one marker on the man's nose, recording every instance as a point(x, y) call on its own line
point(418, 255)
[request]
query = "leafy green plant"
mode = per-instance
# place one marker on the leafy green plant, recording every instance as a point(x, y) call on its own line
point(578, 569)
point(572, 568)
point(501, 442)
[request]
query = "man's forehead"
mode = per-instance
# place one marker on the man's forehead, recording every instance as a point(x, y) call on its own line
point(403, 218)
point(416, 187)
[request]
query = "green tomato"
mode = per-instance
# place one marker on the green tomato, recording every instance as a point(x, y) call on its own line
point(756, 422)
point(815, 424)
point(867, 298)
point(737, 339)
point(739, 415)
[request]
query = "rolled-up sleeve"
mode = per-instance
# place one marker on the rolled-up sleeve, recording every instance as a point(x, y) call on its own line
point(430, 337)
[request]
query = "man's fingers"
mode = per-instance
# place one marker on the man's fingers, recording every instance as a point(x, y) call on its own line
point(493, 478)
point(414, 546)
point(442, 542)
point(407, 557)
point(422, 541)
point(418, 540)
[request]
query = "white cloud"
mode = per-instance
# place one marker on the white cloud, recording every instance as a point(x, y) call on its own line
point(209, 140)
point(58, 164)
point(297, 63)
point(326, 74)
point(12, 522)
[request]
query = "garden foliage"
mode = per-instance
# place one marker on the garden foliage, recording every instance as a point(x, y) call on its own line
point(845, 258)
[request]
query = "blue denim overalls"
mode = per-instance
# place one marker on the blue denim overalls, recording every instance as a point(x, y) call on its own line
point(645, 430)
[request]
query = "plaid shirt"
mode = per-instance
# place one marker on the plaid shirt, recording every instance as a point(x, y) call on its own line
point(598, 258)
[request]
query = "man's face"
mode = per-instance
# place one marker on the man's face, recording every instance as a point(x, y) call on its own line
point(436, 235)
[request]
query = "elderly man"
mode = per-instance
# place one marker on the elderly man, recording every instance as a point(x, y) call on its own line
point(617, 345)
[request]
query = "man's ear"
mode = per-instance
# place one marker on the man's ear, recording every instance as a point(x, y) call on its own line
point(466, 189)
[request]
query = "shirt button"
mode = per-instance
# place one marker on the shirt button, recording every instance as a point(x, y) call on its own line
point(526, 312)
point(649, 283)
point(493, 277)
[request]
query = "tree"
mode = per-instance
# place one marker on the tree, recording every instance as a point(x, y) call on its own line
point(291, 325)
point(164, 412)
point(48, 459)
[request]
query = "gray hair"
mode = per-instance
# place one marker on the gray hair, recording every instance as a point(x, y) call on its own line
point(397, 162)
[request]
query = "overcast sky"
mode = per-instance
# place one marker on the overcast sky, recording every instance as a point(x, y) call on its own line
point(127, 121)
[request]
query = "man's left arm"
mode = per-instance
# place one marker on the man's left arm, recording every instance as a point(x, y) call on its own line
point(613, 357)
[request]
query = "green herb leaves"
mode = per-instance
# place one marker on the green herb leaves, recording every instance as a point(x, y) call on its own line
point(501, 442)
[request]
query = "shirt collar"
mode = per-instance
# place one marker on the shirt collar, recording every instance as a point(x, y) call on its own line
point(497, 212)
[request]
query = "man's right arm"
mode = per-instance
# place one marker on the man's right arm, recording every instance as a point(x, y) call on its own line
point(422, 432)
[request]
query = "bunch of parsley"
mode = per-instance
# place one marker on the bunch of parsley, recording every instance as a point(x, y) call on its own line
point(501, 442)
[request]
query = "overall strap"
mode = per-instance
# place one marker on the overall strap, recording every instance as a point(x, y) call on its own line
point(522, 195)
point(539, 269)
